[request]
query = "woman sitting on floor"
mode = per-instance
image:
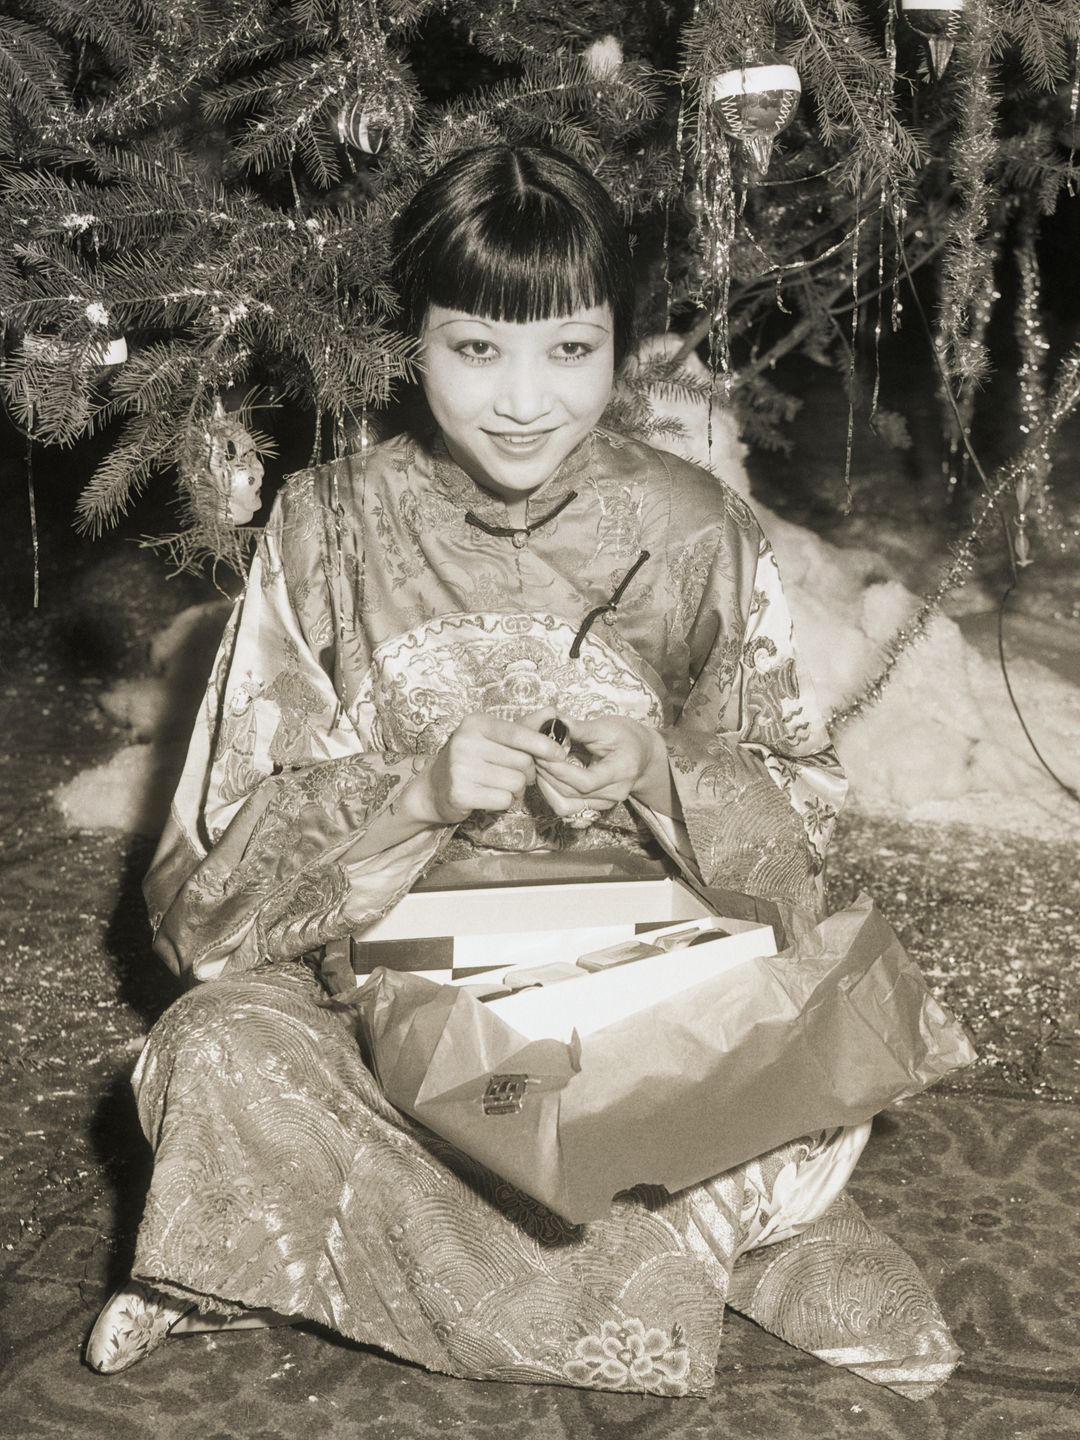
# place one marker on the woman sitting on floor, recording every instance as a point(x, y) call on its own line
point(414, 615)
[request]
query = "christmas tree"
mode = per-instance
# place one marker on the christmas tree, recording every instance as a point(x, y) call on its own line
point(199, 199)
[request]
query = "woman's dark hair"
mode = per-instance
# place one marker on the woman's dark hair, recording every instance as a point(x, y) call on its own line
point(517, 233)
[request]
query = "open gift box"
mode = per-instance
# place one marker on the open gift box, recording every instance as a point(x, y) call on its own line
point(663, 1071)
point(455, 934)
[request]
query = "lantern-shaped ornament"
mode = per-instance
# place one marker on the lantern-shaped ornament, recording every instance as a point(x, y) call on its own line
point(938, 22)
point(234, 471)
point(754, 103)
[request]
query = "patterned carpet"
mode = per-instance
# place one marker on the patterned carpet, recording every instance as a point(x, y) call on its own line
point(982, 1191)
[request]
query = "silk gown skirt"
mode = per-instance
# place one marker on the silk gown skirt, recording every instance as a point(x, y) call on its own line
point(283, 1179)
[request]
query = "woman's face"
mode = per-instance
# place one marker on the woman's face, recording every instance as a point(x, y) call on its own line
point(512, 400)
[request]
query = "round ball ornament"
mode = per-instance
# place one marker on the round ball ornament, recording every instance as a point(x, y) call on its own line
point(370, 124)
point(694, 201)
point(753, 103)
point(938, 22)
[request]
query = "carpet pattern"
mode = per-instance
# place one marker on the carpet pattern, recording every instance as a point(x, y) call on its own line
point(982, 1191)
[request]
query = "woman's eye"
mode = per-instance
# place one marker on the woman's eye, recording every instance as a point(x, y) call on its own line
point(573, 350)
point(476, 350)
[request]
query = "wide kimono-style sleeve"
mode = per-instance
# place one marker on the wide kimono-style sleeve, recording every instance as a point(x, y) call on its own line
point(758, 781)
point(254, 863)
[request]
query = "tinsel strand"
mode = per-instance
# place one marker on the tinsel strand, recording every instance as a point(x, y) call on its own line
point(849, 442)
point(1074, 115)
point(33, 520)
point(1031, 485)
point(887, 88)
point(879, 316)
point(966, 271)
point(955, 460)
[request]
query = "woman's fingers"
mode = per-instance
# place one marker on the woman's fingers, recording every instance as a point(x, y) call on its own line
point(571, 779)
point(506, 777)
point(563, 805)
point(588, 779)
point(515, 735)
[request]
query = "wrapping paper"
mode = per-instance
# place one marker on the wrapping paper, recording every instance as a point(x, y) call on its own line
point(830, 1031)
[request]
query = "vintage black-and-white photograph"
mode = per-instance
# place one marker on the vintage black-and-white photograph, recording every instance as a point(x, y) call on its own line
point(540, 672)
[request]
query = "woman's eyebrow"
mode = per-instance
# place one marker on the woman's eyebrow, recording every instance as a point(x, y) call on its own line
point(588, 324)
point(462, 320)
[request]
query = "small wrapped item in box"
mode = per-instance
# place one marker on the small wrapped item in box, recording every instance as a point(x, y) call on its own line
point(664, 1070)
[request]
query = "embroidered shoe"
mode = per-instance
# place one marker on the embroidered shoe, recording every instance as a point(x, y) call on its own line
point(135, 1321)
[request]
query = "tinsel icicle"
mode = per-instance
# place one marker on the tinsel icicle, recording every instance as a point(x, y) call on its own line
point(967, 264)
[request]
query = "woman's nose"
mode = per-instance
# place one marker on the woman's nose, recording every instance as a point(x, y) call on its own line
point(523, 396)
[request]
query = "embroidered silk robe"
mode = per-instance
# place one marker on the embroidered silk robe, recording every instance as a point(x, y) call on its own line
point(380, 610)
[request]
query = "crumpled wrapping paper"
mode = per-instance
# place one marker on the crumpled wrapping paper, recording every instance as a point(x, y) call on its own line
point(830, 1031)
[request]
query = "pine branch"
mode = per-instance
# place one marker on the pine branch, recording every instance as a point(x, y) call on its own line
point(152, 376)
point(1041, 30)
point(108, 25)
point(283, 82)
point(850, 82)
point(146, 444)
point(31, 75)
point(1030, 162)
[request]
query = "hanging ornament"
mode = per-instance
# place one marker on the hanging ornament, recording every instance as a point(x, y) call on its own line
point(372, 123)
point(698, 273)
point(232, 481)
point(753, 103)
point(694, 201)
point(363, 129)
point(97, 350)
point(58, 374)
point(938, 22)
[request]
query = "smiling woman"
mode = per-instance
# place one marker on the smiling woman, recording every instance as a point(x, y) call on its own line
point(512, 400)
point(417, 618)
point(519, 354)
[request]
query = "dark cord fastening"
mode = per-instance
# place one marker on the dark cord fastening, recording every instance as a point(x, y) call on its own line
point(518, 533)
point(609, 607)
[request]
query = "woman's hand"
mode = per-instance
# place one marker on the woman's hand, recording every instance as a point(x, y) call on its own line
point(485, 765)
point(627, 758)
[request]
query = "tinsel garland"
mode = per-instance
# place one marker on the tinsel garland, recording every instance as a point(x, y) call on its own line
point(717, 206)
point(957, 423)
point(719, 217)
point(182, 56)
point(1064, 400)
point(967, 264)
point(1031, 485)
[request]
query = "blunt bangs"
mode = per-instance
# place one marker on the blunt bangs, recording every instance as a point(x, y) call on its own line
point(514, 233)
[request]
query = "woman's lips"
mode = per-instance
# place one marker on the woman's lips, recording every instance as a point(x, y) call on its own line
point(514, 443)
